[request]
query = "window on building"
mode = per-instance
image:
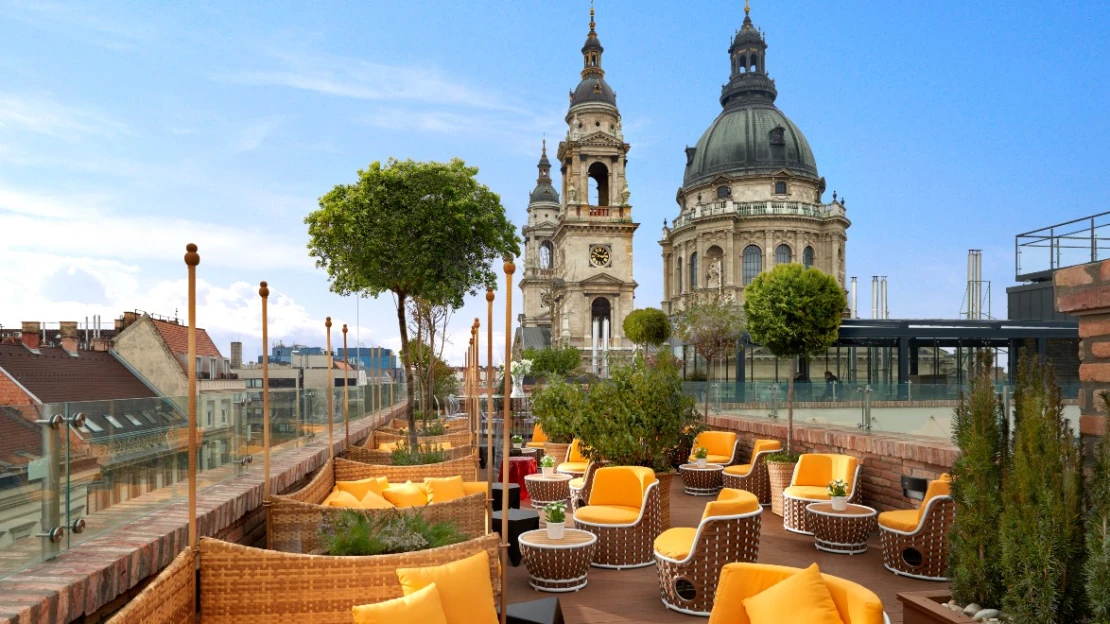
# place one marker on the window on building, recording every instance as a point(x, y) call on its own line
point(724, 192)
point(693, 270)
point(679, 275)
point(546, 254)
point(780, 188)
point(783, 254)
point(807, 257)
point(133, 420)
point(92, 426)
point(753, 263)
point(210, 410)
point(113, 421)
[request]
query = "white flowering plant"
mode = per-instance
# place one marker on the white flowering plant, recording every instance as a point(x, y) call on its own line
point(521, 368)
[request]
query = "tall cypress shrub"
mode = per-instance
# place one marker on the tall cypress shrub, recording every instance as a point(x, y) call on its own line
point(978, 430)
point(1098, 527)
point(1042, 525)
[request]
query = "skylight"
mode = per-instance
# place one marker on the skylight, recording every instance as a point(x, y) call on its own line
point(134, 421)
point(91, 424)
point(112, 421)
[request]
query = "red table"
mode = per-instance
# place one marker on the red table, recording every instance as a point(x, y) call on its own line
point(519, 467)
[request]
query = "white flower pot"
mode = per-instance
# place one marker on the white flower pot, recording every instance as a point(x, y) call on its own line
point(839, 503)
point(518, 445)
point(701, 462)
point(548, 471)
point(518, 387)
point(555, 531)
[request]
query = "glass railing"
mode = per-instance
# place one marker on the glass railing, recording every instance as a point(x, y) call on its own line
point(70, 472)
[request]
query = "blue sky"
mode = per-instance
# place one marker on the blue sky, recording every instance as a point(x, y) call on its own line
point(129, 129)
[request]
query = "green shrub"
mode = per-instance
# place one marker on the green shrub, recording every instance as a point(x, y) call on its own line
point(403, 455)
point(978, 429)
point(553, 362)
point(349, 533)
point(558, 407)
point(1042, 541)
point(647, 327)
point(1098, 527)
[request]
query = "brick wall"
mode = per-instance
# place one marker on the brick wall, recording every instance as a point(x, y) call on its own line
point(11, 394)
point(884, 457)
point(1084, 291)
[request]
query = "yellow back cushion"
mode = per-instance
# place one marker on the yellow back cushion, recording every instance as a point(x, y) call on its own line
point(844, 468)
point(537, 434)
point(405, 495)
point(802, 597)
point(855, 603)
point(387, 446)
point(359, 488)
point(339, 498)
point(717, 442)
point(373, 500)
point(731, 502)
point(574, 453)
point(464, 588)
point(423, 605)
point(617, 485)
point(940, 487)
point(475, 487)
point(765, 445)
point(813, 469)
point(443, 489)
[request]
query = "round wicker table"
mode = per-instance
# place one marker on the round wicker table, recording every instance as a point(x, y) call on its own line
point(544, 489)
point(557, 565)
point(701, 481)
point(842, 532)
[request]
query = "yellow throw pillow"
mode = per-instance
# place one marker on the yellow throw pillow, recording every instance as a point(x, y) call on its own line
point(799, 598)
point(406, 494)
point(387, 446)
point(339, 498)
point(441, 490)
point(375, 501)
point(464, 588)
point(422, 606)
point(359, 488)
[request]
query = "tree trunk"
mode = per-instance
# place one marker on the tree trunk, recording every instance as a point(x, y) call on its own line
point(403, 326)
point(790, 408)
point(708, 367)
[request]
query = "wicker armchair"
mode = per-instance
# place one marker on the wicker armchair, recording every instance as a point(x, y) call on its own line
point(810, 485)
point(538, 437)
point(580, 486)
point(690, 560)
point(722, 446)
point(915, 541)
point(576, 462)
point(624, 513)
point(752, 476)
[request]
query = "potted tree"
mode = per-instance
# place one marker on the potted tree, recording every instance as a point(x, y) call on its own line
point(792, 311)
point(558, 406)
point(713, 327)
point(547, 465)
point(555, 515)
point(647, 328)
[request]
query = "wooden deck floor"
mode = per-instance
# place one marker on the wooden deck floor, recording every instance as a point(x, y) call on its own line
point(633, 595)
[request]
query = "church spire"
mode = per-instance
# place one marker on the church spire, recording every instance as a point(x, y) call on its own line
point(748, 79)
point(592, 50)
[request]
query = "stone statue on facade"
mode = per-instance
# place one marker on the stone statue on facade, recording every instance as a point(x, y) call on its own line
point(713, 275)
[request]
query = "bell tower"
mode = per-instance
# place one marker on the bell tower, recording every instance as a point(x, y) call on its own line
point(539, 248)
point(593, 290)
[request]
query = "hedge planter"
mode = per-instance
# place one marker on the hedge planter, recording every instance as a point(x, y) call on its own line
point(780, 475)
point(928, 608)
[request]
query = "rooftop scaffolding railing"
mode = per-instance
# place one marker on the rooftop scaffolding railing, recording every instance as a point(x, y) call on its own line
point(1039, 253)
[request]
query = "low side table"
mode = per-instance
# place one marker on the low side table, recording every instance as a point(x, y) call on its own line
point(842, 532)
point(544, 489)
point(520, 521)
point(514, 496)
point(557, 565)
point(701, 481)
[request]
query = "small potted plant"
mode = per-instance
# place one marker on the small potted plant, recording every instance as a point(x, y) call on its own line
point(518, 441)
point(838, 494)
point(547, 464)
point(556, 516)
point(700, 455)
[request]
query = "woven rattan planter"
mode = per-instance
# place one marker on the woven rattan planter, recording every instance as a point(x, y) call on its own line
point(558, 450)
point(928, 608)
point(779, 475)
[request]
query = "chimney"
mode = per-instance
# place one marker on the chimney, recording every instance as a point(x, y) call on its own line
point(874, 296)
point(101, 344)
point(30, 334)
point(68, 332)
point(128, 319)
point(855, 292)
point(236, 354)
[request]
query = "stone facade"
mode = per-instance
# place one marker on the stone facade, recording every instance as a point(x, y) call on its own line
point(1084, 291)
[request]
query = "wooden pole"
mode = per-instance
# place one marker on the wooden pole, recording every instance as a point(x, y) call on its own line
point(264, 293)
point(510, 268)
point(331, 393)
point(475, 401)
point(346, 391)
point(192, 259)
point(489, 397)
point(374, 403)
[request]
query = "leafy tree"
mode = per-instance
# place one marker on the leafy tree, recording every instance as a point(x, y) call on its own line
point(793, 311)
point(979, 430)
point(558, 406)
point(647, 327)
point(557, 362)
point(1098, 527)
point(443, 380)
point(1042, 497)
point(415, 229)
point(713, 327)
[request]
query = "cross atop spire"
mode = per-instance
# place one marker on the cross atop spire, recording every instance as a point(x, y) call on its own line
point(747, 8)
point(592, 24)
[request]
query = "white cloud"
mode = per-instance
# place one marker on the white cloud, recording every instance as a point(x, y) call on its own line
point(40, 114)
point(117, 32)
point(253, 134)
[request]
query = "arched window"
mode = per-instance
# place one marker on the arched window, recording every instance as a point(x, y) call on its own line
point(782, 254)
point(547, 253)
point(599, 190)
point(678, 275)
point(693, 270)
point(753, 263)
point(807, 257)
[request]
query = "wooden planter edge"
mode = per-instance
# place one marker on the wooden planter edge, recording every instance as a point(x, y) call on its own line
point(927, 607)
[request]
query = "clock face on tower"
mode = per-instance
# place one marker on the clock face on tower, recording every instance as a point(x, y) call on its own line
point(600, 255)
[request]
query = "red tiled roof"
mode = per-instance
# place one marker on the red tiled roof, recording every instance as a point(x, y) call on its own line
point(20, 440)
point(54, 376)
point(177, 339)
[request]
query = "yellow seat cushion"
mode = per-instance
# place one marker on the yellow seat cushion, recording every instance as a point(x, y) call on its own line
point(808, 492)
point(607, 514)
point(802, 597)
point(339, 498)
point(475, 487)
point(464, 588)
point(577, 483)
point(373, 500)
point(574, 453)
point(676, 543)
point(423, 605)
point(856, 603)
point(359, 488)
point(443, 489)
point(903, 520)
point(387, 446)
point(731, 502)
point(576, 467)
point(405, 495)
point(718, 444)
point(739, 470)
point(713, 459)
point(617, 485)
point(535, 445)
